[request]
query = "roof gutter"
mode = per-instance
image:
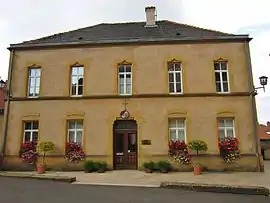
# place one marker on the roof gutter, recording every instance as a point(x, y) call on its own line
point(30, 45)
point(253, 107)
point(7, 107)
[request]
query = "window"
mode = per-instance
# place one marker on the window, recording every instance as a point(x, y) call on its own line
point(30, 131)
point(124, 80)
point(177, 129)
point(175, 78)
point(226, 128)
point(221, 76)
point(33, 82)
point(77, 81)
point(75, 130)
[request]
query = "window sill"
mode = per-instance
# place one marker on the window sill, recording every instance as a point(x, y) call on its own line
point(223, 92)
point(76, 95)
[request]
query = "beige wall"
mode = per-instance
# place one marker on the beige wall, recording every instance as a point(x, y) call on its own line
point(149, 76)
point(149, 68)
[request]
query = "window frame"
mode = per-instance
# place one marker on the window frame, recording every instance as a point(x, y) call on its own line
point(225, 128)
point(75, 130)
point(30, 130)
point(177, 128)
point(220, 71)
point(174, 72)
point(125, 73)
point(35, 78)
point(78, 76)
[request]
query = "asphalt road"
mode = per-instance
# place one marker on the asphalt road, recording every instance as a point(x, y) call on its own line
point(13, 190)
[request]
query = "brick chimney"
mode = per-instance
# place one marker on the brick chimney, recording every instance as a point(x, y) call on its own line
point(150, 12)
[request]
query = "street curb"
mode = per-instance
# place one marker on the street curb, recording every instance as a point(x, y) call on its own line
point(39, 176)
point(218, 188)
point(115, 184)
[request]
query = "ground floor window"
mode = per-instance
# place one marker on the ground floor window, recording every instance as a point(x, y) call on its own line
point(30, 132)
point(177, 129)
point(226, 128)
point(75, 130)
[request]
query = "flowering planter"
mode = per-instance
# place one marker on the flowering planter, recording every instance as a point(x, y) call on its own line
point(197, 170)
point(40, 169)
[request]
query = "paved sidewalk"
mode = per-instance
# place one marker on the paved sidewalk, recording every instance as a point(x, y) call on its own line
point(139, 178)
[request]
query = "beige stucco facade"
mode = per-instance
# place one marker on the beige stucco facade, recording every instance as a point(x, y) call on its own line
point(151, 105)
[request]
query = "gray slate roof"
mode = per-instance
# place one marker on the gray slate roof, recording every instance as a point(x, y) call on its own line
point(131, 32)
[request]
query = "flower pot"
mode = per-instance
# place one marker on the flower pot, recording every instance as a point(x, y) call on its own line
point(197, 170)
point(163, 170)
point(147, 170)
point(101, 170)
point(41, 169)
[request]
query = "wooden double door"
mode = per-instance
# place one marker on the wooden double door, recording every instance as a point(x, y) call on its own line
point(125, 145)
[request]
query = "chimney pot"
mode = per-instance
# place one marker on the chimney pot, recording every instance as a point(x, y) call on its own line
point(150, 12)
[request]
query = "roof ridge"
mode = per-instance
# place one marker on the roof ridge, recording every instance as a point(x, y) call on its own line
point(197, 27)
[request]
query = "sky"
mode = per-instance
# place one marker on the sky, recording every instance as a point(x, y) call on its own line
point(31, 19)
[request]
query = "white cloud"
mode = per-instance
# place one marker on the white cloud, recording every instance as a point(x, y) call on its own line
point(34, 19)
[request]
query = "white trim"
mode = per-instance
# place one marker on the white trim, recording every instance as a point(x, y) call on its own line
point(221, 77)
point(31, 130)
point(125, 80)
point(226, 128)
point(174, 79)
point(34, 85)
point(178, 127)
point(78, 76)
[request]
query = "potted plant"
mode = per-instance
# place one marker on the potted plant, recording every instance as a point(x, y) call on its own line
point(179, 151)
point(101, 167)
point(89, 166)
point(28, 152)
point(44, 147)
point(229, 149)
point(197, 145)
point(164, 166)
point(149, 167)
point(74, 152)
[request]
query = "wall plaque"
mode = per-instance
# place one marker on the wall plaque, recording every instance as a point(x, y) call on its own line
point(146, 142)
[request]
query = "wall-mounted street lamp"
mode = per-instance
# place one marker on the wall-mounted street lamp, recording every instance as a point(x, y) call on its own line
point(263, 82)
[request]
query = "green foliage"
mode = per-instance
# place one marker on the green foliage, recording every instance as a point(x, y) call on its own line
point(101, 165)
point(164, 165)
point(197, 145)
point(89, 166)
point(149, 165)
point(46, 147)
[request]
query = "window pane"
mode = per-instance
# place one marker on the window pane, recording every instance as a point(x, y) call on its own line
point(74, 80)
point(230, 133)
point(218, 87)
point(173, 134)
point(121, 69)
point(178, 77)
point(35, 125)
point(171, 77)
point(80, 81)
point(170, 67)
point(128, 68)
point(225, 87)
point(216, 66)
point(221, 133)
point(32, 72)
point(27, 136)
point(128, 75)
point(73, 90)
point(38, 81)
point(171, 87)
point(31, 82)
point(74, 71)
point(173, 123)
point(79, 137)
point(121, 89)
point(221, 123)
point(181, 123)
point(79, 124)
point(181, 135)
point(224, 77)
point(178, 87)
point(224, 66)
point(27, 125)
point(71, 124)
point(80, 70)
point(37, 91)
point(128, 86)
point(177, 67)
point(217, 75)
point(80, 90)
point(71, 136)
point(229, 123)
point(35, 136)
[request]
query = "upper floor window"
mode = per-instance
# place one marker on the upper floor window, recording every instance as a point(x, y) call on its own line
point(175, 77)
point(177, 129)
point(77, 81)
point(226, 128)
point(124, 80)
point(30, 132)
point(33, 82)
point(75, 131)
point(221, 76)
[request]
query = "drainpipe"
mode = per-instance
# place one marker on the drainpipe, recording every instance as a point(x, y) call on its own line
point(7, 105)
point(253, 107)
